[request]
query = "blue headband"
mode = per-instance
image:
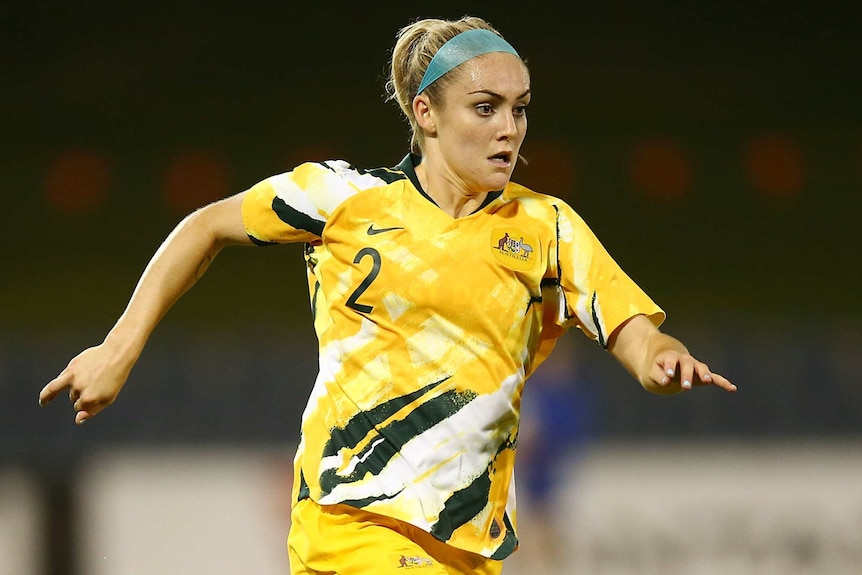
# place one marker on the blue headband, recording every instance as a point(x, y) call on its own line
point(461, 48)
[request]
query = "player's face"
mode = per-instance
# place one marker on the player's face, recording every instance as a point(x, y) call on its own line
point(483, 120)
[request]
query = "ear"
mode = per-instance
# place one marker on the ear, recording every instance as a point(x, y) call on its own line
point(423, 113)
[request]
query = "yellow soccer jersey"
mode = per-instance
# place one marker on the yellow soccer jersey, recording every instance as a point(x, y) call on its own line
point(428, 327)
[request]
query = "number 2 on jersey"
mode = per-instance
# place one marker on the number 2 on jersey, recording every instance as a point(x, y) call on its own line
point(372, 275)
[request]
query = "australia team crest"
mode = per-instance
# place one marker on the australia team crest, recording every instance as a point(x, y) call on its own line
point(515, 248)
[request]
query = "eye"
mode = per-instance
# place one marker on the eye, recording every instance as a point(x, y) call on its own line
point(520, 110)
point(485, 109)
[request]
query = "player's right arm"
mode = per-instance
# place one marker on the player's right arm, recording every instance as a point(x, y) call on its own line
point(95, 377)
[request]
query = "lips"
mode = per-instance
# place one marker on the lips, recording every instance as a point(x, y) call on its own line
point(502, 157)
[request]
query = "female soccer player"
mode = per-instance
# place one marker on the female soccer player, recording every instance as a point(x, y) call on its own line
point(438, 286)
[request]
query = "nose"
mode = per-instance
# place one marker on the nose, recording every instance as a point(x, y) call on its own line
point(508, 127)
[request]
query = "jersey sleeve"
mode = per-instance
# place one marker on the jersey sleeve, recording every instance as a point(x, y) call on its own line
point(598, 295)
point(294, 206)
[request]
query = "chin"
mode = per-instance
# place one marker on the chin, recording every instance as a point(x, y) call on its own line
point(499, 181)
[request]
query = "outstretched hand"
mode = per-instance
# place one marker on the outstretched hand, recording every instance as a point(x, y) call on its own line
point(674, 370)
point(660, 362)
point(94, 379)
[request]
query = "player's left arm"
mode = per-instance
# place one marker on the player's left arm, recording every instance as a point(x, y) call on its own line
point(660, 362)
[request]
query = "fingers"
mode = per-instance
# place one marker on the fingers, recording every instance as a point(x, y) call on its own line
point(700, 373)
point(687, 372)
point(86, 408)
point(675, 368)
point(54, 387)
point(84, 402)
point(676, 374)
point(707, 377)
point(84, 414)
point(722, 382)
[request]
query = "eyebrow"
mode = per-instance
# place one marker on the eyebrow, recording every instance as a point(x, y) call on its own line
point(500, 96)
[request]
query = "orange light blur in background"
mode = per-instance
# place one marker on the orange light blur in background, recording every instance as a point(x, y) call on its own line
point(77, 181)
point(193, 179)
point(774, 166)
point(661, 170)
point(550, 169)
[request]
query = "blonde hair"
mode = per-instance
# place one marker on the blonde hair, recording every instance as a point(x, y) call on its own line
point(414, 48)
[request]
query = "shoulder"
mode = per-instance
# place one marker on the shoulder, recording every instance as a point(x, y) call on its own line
point(360, 178)
point(566, 217)
point(325, 184)
point(520, 193)
point(335, 174)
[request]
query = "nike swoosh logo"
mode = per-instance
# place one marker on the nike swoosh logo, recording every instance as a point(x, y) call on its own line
point(374, 231)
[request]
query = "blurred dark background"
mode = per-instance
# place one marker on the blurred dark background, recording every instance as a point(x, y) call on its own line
point(715, 148)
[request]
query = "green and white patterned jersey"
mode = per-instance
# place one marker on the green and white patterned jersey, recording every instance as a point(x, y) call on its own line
point(428, 327)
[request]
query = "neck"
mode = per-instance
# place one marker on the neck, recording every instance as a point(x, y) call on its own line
point(449, 193)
